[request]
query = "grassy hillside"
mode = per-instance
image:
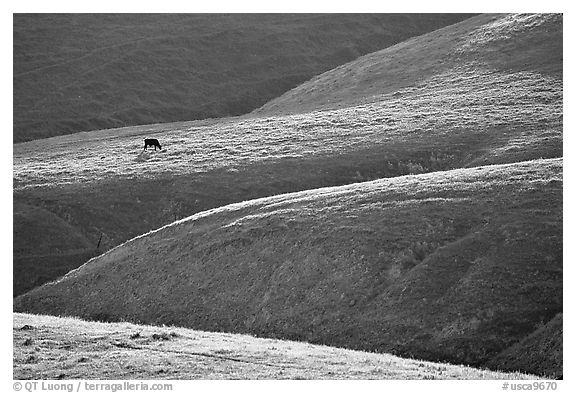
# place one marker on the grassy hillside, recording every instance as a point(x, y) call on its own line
point(79, 72)
point(42, 347)
point(30, 271)
point(485, 46)
point(33, 224)
point(45, 246)
point(539, 353)
point(448, 266)
point(458, 266)
point(103, 184)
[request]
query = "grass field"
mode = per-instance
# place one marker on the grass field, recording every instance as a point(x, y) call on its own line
point(469, 113)
point(80, 72)
point(517, 44)
point(43, 347)
point(424, 214)
point(448, 266)
point(466, 117)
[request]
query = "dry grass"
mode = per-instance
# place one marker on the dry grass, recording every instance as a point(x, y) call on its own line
point(76, 72)
point(454, 265)
point(516, 116)
point(516, 112)
point(48, 347)
point(505, 44)
point(104, 182)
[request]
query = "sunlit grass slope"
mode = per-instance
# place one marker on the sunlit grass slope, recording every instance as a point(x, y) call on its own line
point(79, 72)
point(515, 46)
point(457, 106)
point(471, 114)
point(448, 266)
point(48, 347)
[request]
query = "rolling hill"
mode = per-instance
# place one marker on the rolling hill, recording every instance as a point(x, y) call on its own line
point(540, 353)
point(43, 345)
point(423, 214)
point(451, 266)
point(80, 72)
point(463, 113)
point(483, 48)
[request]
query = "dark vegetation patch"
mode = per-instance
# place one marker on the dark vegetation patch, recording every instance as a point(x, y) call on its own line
point(46, 246)
point(35, 270)
point(122, 344)
point(540, 352)
point(161, 336)
point(100, 316)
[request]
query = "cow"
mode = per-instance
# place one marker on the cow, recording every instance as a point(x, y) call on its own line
point(152, 142)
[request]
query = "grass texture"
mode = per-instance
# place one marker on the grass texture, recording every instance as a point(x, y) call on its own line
point(43, 346)
point(443, 242)
point(80, 72)
point(472, 108)
point(449, 266)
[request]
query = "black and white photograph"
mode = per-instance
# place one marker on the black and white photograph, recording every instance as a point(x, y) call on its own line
point(286, 196)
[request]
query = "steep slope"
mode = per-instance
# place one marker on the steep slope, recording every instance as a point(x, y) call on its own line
point(452, 266)
point(79, 72)
point(104, 185)
point(54, 348)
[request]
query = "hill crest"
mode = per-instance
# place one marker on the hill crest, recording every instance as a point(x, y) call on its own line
point(508, 43)
point(424, 266)
point(105, 187)
point(79, 72)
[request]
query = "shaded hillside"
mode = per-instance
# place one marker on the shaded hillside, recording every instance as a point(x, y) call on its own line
point(45, 247)
point(31, 226)
point(32, 270)
point(539, 353)
point(53, 348)
point(79, 72)
point(103, 184)
point(449, 266)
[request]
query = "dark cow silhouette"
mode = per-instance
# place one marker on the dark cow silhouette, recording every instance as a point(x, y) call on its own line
point(152, 142)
